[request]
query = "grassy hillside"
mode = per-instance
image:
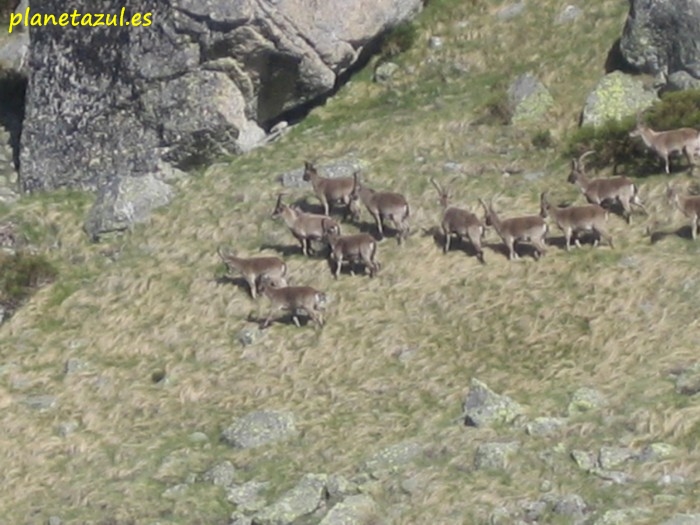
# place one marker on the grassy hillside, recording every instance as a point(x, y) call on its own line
point(397, 353)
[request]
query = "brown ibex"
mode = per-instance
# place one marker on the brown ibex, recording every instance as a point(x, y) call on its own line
point(689, 205)
point(664, 143)
point(531, 228)
point(291, 299)
point(305, 227)
point(575, 219)
point(381, 205)
point(254, 268)
point(459, 222)
point(360, 247)
point(330, 191)
point(600, 191)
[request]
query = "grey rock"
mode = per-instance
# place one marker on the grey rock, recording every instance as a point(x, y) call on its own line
point(688, 381)
point(671, 479)
point(13, 51)
point(610, 457)
point(238, 518)
point(41, 402)
point(223, 474)
point(483, 407)
point(393, 457)
point(569, 14)
point(306, 497)
point(661, 37)
point(436, 42)
point(571, 505)
point(452, 167)
point(124, 202)
point(339, 487)
point(385, 71)
point(501, 516)
point(353, 510)
point(616, 96)
point(533, 510)
point(249, 335)
point(528, 98)
point(73, 365)
point(199, 437)
point(621, 516)
point(495, 456)
point(249, 496)
point(614, 476)
point(67, 427)
point(511, 11)
point(545, 426)
point(657, 451)
point(260, 428)
point(682, 80)
point(54, 520)
point(683, 519)
point(345, 167)
point(585, 460)
point(532, 176)
point(175, 492)
point(585, 400)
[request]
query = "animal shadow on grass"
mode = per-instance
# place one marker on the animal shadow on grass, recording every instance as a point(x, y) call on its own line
point(583, 238)
point(283, 318)
point(319, 250)
point(684, 232)
point(349, 266)
point(390, 232)
point(304, 205)
point(522, 249)
point(456, 243)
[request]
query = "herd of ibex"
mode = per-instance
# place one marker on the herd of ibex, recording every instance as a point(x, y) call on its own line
point(267, 275)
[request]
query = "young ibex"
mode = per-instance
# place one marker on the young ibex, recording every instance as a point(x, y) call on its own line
point(305, 227)
point(600, 191)
point(459, 222)
point(531, 228)
point(293, 298)
point(664, 143)
point(352, 248)
point(689, 205)
point(254, 268)
point(330, 191)
point(575, 219)
point(381, 205)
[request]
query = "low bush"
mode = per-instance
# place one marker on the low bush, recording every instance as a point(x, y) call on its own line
point(21, 274)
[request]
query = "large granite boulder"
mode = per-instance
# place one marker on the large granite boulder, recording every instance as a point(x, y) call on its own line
point(204, 79)
point(661, 36)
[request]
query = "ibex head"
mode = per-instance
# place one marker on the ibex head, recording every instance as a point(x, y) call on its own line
point(443, 194)
point(279, 207)
point(309, 171)
point(577, 166)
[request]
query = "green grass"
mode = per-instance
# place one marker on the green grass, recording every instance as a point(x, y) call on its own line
point(536, 331)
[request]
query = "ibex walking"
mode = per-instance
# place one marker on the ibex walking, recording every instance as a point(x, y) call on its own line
point(360, 247)
point(330, 191)
point(689, 205)
point(382, 205)
point(254, 268)
point(575, 219)
point(293, 298)
point(528, 228)
point(305, 227)
point(601, 191)
point(459, 222)
point(664, 143)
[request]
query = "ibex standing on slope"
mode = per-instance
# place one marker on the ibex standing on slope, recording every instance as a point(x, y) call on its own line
point(574, 219)
point(291, 299)
point(254, 268)
point(600, 191)
point(360, 247)
point(529, 228)
point(459, 222)
point(664, 143)
point(305, 227)
point(330, 191)
point(689, 205)
point(381, 205)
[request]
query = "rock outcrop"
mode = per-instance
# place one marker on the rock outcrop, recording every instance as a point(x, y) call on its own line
point(204, 79)
point(661, 37)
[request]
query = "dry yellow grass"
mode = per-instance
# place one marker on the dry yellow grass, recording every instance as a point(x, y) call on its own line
point(616, 320)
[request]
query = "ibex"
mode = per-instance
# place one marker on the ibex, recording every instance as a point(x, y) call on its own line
point(575, 219)
point(330, 191)
point(599, 191)
point(254, 268)
point(689, 205)
point(381, 205)
point(664, 143)
point(305, 227)
point(293, 298)
point(531, 228)
point(352, 248)
point(459, 222)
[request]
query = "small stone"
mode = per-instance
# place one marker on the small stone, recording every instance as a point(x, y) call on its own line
point(73, 365)
point(435, 42)
point(671, 479)
point(339, 487)
point(585, 400)
point(393, 457)
point(585, 460)
point(66, 428)
point(614, 476)
point(54, 520)
point(222, 475)
point(610, 457)
point(621, 516)
point(483, 407)
point(175, 492)
point(495, 456)
point(353, 510)
point(683, 519)
point(511, 11)
point(248, 497)
point(305, 498)
point(568, 14)
point(545, 426)
point(260, 428)
point(572, 506)
point(199, 437)
point(385, 71)
point(43, 402)
point(656, 451)
point(249, 335)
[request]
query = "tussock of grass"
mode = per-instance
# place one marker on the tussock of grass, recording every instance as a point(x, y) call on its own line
point(397, 353)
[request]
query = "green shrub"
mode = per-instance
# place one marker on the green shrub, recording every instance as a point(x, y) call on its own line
point(614, 146)
point(543, 139)
point(496, 111)
point(21, 274)
point(399, 40)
